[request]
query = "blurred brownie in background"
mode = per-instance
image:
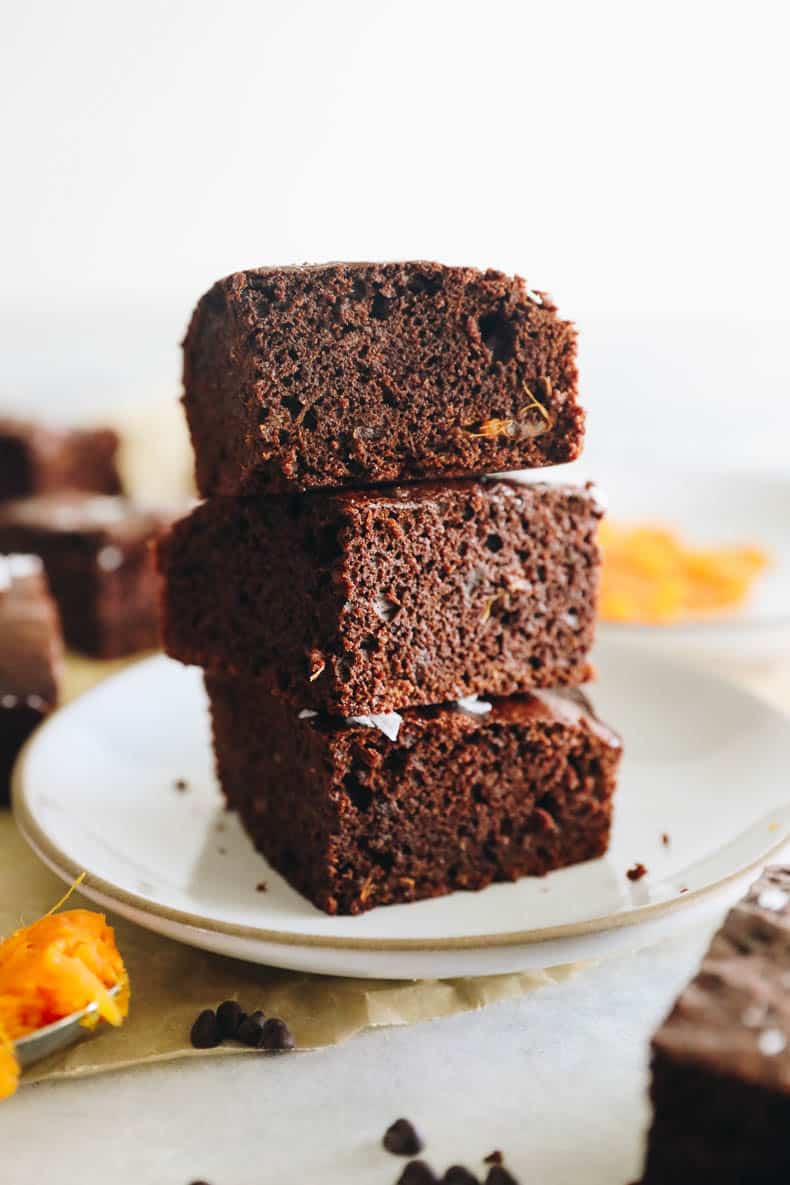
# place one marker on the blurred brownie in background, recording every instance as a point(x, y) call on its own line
point(97, 555)
point(31, 650)
point(38, 459)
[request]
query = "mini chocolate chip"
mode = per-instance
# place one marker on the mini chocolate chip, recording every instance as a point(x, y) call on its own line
point(277, 1037)
point(401, 1139)
point(458, 1175)
point(495, 1157)
point(205, 1031)
point(230, 1014)
point(497, 1175)
point(417, 1172)
point(250, 1031)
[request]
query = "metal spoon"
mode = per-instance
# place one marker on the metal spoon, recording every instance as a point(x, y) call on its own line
point(59, 1035)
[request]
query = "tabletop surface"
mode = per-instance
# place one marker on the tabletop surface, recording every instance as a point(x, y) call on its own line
point(556, 1079)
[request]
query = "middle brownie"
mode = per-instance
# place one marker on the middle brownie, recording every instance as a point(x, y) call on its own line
point(362, 602)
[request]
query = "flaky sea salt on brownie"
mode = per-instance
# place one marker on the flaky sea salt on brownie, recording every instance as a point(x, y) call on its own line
point(39, 459)
point(721, 1060)
point(355, 602)
point(403, 806)
point(357, 373)
point(97, 555)
point(31, 651)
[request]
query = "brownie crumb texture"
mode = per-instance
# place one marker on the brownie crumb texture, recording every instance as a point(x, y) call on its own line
point(362, 373)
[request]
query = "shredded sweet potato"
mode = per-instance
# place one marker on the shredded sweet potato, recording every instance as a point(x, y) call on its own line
point(58, 965)
point(651, 575)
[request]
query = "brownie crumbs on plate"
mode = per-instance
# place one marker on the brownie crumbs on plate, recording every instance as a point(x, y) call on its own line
point(636, 872)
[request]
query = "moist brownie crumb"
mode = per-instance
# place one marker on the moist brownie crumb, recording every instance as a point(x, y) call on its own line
point(401, 1139)
point(181, 784)
point(636, 872)
point(665, 839)
point(353, 819)
point(721, 1060)
point(407, 595)
point(261, 887)
point(361, 373)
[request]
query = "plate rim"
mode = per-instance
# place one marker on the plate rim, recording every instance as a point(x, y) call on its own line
point(69, 871)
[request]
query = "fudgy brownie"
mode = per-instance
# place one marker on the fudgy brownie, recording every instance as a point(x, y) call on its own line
point(358, 373)
point(97, 555)
point(721, 1060)
point(401, 807)
point(354, 602)
point(31, 652)
point(35, 459)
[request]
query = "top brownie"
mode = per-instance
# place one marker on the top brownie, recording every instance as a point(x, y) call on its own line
point(358, 373)
point(35, 459)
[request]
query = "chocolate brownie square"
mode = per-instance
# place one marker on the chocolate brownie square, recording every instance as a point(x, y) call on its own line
point(31, 652)
point(35, 459)
point(357, 373)
point(721, 1060)
point(404, 806)
point(393, 596)
point(97, 555)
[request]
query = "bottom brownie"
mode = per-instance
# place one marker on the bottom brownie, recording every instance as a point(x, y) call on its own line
point(454, 797)
point(721, 1060)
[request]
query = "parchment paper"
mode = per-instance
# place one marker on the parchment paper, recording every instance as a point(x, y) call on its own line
point(171, 983)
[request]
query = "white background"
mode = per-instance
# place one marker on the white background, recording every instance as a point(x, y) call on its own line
point(631, 158)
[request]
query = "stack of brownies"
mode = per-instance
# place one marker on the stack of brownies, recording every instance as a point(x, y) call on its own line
point(392, 643)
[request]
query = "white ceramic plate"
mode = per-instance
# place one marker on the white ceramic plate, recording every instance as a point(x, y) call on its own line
point(705, 762)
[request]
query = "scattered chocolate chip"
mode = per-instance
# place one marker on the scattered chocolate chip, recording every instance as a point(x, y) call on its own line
point(250, 1031)
point(401, 1139)
point(181, 784)
point(495, 1157)
point(417, 1172)
point(205, 1032)
point(665, 838)
point(230, 1015)
point(277, 1037)
point(497, 1175)
point(636, 872)
point(458, 1175)
point(261, 887)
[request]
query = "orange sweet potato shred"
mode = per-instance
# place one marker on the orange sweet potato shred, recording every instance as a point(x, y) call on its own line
point(59, 965)
point(651, 576)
